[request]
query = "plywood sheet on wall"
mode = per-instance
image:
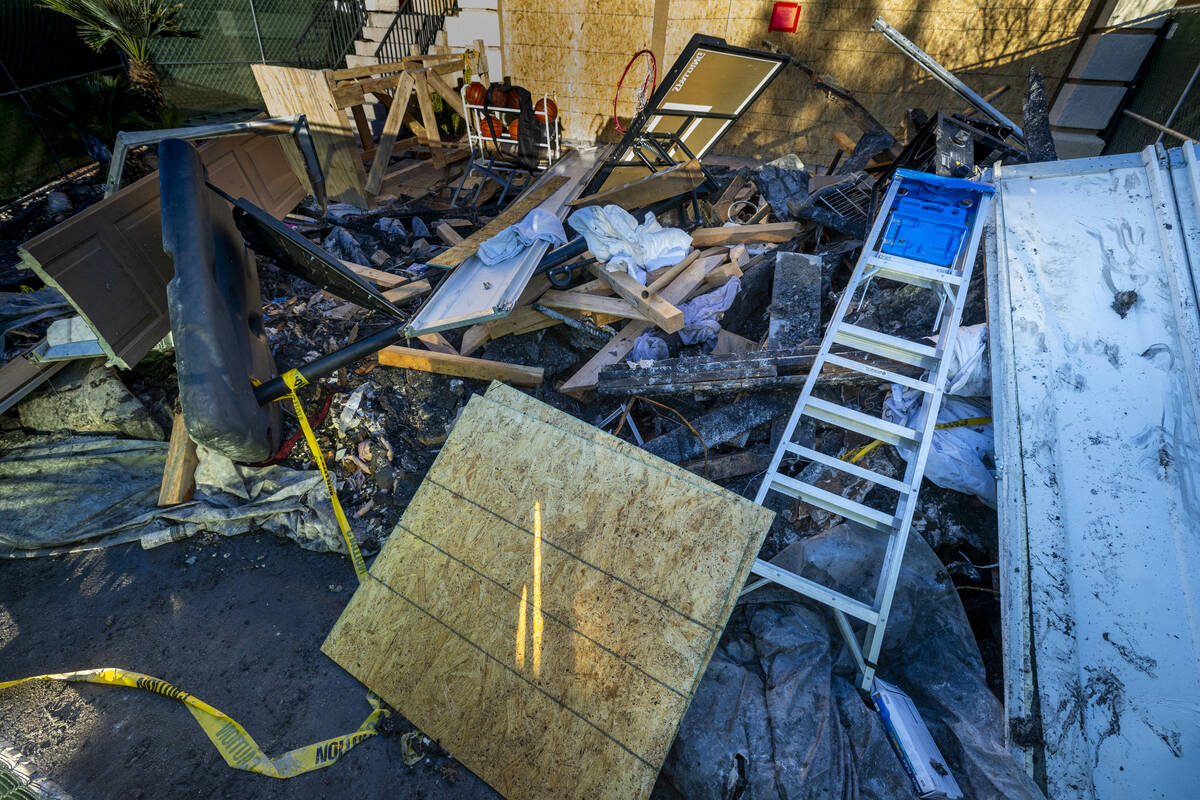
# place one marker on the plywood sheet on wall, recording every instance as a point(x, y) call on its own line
point(109, 261)
point(549, 601)
point(988, 43)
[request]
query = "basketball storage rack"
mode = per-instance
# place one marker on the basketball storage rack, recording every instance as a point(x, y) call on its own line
point(494, 157)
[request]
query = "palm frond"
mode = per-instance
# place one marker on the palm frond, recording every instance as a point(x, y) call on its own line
point(131, 26)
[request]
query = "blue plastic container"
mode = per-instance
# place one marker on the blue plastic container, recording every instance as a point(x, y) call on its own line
point(929, 219)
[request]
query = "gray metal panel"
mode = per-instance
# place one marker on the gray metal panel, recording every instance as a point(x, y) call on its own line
point(1099, 461)
point(476, 292)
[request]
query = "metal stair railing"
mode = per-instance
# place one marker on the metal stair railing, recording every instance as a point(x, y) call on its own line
point(417, 23)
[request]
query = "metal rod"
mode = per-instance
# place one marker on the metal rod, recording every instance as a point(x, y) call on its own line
point(276, 388)
point(1153, 124)
point(1179, 103)
point(946, 78)
point(59, 80)
point(257, 33)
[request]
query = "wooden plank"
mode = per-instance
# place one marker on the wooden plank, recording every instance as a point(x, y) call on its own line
point(108, 259)
point(364, 71)
point(658, 278)
point(515, 212)
point(460, 366)
point(718, 277)
point(429, 120)
point(179, 473)
point(365, 137)
point(661, 312)
point(447, 92)
point(584, 380)
point(387, 139)
point(592, 304)
point(568, 547)
point(19, 376)
point(352, 94)
point(437, 343)
point(288, 91)
point(649, 189)
point(448, 234)
point(407, 291)
point(746, 234)
point(378, 277)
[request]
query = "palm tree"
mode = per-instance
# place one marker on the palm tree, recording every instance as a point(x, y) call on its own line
point(132, 26)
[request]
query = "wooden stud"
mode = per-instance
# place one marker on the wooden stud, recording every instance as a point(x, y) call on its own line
point(460, 366)
point(179, 473)
point(584, 380)
point(429, 120)
point(746, 234)
point(437, 343)
point(365, 137)
point(660, 311)
point(448, 234)
point(407, 291)
point(378, 277)
point(591, 304)
point(387, 139)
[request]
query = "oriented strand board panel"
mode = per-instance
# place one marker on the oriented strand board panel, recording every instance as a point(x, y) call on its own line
point(108, 259)
point(288, 91)
point(987, 43)
point(549, 601)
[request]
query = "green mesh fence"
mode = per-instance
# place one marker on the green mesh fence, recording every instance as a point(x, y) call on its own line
point(1159, 95)
point(212, 74)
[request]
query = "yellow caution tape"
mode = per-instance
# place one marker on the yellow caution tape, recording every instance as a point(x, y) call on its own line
point(237, 747)
point(855, 455)
point(964, 423)
point(292, 378)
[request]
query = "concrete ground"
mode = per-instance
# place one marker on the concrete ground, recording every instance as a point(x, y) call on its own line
point(239, 627)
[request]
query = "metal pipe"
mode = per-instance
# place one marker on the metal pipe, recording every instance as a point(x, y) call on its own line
point(946, 78)
point(275, 388)
point(1153, 124)
point(1179, 103)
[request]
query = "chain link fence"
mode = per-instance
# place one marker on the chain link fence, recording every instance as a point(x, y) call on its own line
point(211, 75)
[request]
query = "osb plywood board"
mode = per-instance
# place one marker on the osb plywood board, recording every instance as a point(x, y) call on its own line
point(288, 91)
point(549, 601)
point(108, 259)
point(988, 43)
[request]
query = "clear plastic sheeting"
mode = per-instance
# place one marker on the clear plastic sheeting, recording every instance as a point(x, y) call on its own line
point(777, 714)
point(83, 493)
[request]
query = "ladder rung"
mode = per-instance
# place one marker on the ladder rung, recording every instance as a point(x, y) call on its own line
point(907, 270)
point(878, 372)
point(834, 503)
point(823, 594)
point(848, 418)
point(845, 466)
point(886, 345)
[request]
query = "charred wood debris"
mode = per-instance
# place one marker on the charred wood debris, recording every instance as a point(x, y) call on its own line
point(716, 408)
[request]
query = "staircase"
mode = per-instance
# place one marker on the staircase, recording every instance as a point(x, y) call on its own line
point(393, 26)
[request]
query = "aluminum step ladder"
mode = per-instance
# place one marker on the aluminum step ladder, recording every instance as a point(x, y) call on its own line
point(927, 235)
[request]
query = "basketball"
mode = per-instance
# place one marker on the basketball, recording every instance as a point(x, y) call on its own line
point(546, 107)
point(475, 93)
point(513, 100)
point(496, 96)
point(490, 126)
point(514, 127)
